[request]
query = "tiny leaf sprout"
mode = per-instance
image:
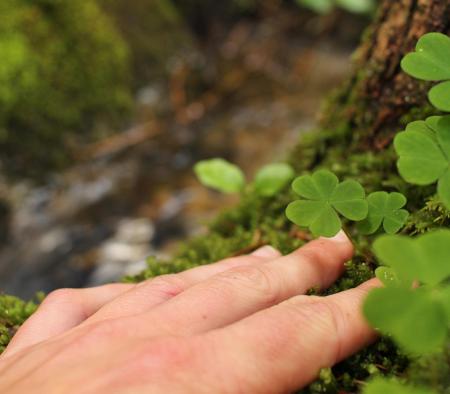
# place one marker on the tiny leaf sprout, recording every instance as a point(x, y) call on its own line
point(384, 386)
point(326, 6)
point(323, 198)
point(384, 209)
point(430, 62)
point(416, 317)
point(270, 179)
point(226, 177)
point(424, 154)
point(220, 175)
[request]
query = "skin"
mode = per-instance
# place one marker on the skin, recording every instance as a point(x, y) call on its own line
point(242, 325)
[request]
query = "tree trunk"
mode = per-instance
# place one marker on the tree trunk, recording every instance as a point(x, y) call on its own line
point(379, 93)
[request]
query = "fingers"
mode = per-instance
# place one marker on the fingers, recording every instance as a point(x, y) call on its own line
point(157, 290)
point(62, 310)
point(285, 346)
point(234, 294)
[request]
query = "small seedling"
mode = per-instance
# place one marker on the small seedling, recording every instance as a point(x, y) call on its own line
point(324, 197)
point(424, 154)
point(416, 317)
point(384, 209)
point(226, 177)
point(431, 62)
point(221, 175)
point(270, 179)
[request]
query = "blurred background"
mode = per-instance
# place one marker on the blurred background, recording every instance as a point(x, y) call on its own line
point(105, 105)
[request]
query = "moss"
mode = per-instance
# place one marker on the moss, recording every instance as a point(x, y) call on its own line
point(13, 312)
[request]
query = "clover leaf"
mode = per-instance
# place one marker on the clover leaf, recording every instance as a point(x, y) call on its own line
point(270, 179)
point(383, 386)
point(424, 154)
point(425, 258)
point(415, 320)
point(384, 209)
point(221, 175)
point(323, 198)
point(430, 62)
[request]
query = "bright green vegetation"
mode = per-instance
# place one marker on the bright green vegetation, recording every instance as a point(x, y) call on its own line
point(430, 62)
point(226, 177)
point(380, 386)
point(417, 318)
point(385, 209)
point(63, 69)
point(324, 197)
point(326, 6)
point(424, 154)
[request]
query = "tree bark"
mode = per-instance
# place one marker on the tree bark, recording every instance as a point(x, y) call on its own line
point(379, 93)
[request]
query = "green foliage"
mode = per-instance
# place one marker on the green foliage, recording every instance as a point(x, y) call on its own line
point(384, 209)
point(324, 197)
point(417, 318)
point(221, 175)
point(430, 62)
point(270, 179)
point(424, 154)
point(326, 6)
point(13, 312)
point(226, 177)
point(384, 386)
point(64, 68)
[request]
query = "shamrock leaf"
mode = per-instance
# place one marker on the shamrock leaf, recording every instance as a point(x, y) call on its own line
point(430, 63)
point(324, 197)
point(439, 96)
point(424, 258)
point(272, 178)
point(384, 208)
point(424, 154)
point(415, 320)
point(383, 386)
point(221, 175)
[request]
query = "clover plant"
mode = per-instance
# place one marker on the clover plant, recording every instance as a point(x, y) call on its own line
point(417, 316)
point(424, 154)
point(430, 62)
point(384, 209)
point(324, 197)
point(226, 177)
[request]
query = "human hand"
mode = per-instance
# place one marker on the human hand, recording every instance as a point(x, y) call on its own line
point(239, 325)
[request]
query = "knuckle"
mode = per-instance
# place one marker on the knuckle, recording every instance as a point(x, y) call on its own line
point(60, 296)
point(167, 286)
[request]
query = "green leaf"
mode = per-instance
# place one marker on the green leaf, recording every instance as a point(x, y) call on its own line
point(325, 196)
point(430, 61)
point(385, 386)
point(443, 297)
point(387, 276)
point(357, 6)
point(221, 175)
point(439, 96)
point(348, 198)
point(415, 321)
point(318, 186)
point(421, 161)
point(424, 258)
point(272, 178)
point(319, 6)
point(384, 208)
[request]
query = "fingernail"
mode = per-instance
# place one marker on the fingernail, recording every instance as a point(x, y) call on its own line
point(339, 237)
point(266, 252)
